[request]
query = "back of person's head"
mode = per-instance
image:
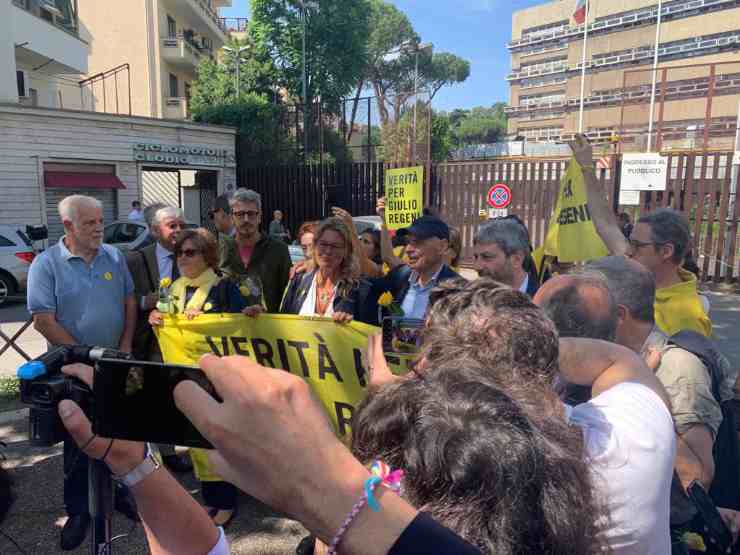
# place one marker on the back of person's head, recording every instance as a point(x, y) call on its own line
point(580, 305)
point(136, 204)
point(484, 324)
point(631, 284)
point(481, 463)
point(669, 226)
point(221, 203)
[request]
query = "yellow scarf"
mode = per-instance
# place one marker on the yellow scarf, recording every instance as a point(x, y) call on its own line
point(204, 282)
point(678, 307)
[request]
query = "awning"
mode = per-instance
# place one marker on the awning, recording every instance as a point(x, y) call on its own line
point(67, 180)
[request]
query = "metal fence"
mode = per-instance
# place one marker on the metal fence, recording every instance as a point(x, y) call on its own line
point(700, 185)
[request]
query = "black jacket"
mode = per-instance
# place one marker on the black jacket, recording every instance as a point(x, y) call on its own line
point(397, 282)
point(359, 303)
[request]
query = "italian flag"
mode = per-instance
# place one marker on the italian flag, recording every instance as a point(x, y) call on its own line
point(579, 15)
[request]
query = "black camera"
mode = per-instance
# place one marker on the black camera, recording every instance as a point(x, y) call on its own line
point(130, 399)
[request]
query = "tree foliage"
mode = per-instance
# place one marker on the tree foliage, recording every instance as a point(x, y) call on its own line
point(336, 43)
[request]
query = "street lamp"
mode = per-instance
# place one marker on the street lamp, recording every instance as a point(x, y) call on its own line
point(305, 5)
point(238, 60)
point(418, 48)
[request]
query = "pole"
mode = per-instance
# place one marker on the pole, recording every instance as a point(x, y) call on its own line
point(583, 66)
point(655, 78)
point(416, 101)
point(735, 168)
point(236, 76)
point(304, 83)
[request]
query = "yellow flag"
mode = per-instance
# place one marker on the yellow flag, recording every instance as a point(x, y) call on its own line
point(572, 236)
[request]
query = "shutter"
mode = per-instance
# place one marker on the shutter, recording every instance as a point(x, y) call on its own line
point(55, 196)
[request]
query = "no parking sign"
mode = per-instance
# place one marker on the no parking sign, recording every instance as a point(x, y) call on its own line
point(499, 196)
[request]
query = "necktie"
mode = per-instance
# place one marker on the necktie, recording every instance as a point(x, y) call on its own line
point(175, 269)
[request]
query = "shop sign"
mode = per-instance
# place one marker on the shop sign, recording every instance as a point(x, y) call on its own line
point(184, 155)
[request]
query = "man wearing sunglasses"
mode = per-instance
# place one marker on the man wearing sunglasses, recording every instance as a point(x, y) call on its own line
point(660, 241)
point(220, 214)
point(265, 260)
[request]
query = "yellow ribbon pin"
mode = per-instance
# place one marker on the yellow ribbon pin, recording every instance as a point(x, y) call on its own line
point(108, 276)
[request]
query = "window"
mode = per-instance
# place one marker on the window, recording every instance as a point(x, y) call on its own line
point(171, 28)
point(174, 91)
point(5, 242)
point(21, 79)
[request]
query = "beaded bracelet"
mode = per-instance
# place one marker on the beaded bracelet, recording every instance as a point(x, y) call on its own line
point(381, 474)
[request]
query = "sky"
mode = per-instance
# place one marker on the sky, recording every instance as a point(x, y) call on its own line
point(476, 30)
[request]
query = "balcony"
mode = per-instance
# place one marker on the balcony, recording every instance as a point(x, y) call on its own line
point(182, 53)
point(47, 38)
point(204, 11)
point(175, 108)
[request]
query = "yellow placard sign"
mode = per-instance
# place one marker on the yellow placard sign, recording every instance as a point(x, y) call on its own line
point(328, 356)
point(404, 196)
point(572, 236)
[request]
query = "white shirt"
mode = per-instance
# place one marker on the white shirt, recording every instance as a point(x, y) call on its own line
point(308, 308)
point(630, 446)
point(136, 215)
point(222, 547)
point(164, 262)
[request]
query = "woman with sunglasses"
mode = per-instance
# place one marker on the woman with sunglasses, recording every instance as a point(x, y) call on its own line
point(200, 290)
point(331, 285)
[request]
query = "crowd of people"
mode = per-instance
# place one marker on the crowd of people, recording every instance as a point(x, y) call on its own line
point(586, 413)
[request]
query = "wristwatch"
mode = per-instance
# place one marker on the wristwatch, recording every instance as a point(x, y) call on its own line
point(141, 471)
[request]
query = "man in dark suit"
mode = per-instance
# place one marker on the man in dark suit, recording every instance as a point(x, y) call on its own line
point(148, 266)
point(410, 285)
point(501, 248)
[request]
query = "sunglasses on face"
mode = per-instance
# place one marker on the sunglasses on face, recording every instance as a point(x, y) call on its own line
point(187, 253)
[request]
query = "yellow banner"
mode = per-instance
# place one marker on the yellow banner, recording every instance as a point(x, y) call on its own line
point(328, 356)
point(572, 236)
point(404, 196)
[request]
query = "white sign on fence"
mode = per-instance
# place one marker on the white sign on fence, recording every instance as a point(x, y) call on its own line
point(629, 198)
point(736, 158)
point(644, 172)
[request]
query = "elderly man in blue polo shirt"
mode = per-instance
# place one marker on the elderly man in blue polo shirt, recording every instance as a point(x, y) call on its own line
point(80, 292)
point(429, 240)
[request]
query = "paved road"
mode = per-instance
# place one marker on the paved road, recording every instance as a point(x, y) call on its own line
point(38, 514)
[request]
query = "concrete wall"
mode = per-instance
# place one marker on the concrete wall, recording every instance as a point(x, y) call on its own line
point(32, 136)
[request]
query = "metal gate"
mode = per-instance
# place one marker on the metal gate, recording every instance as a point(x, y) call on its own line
point(207, 182)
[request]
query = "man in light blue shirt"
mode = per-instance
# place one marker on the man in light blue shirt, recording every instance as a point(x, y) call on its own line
point(80, 292)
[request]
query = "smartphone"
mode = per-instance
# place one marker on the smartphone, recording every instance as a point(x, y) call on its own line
point(402, 335)
point(136, 402)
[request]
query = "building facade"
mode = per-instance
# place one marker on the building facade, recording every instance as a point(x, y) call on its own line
point(162, 41)
point(48, 154)
point(545, 80)
point(42, 53)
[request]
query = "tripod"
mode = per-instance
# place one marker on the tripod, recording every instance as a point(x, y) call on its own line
point(100, 486)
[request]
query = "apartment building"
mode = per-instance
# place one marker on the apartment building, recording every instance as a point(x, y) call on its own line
point(54, 142)
point(546, 59)
point(162, 41)
point(42, 54)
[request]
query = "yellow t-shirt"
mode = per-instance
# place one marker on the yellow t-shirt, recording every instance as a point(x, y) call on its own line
point(678, 307)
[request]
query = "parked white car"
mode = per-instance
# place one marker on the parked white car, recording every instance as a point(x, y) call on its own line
point(16, 255)
point(130, 236)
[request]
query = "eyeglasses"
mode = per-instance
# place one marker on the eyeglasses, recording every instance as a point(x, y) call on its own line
point(635, 244)
point(176, 225)
point(250, 214)
point(187, 253)
point(324, 246)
